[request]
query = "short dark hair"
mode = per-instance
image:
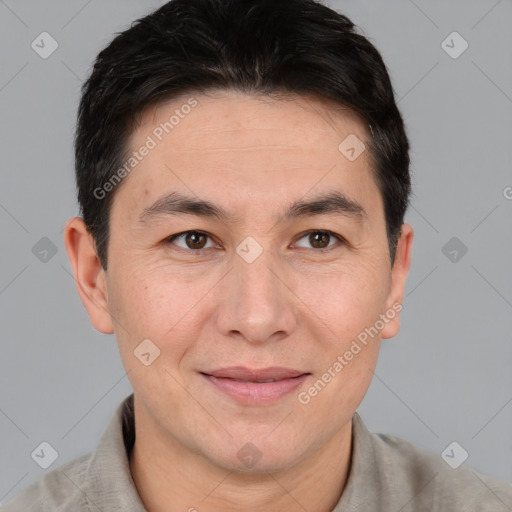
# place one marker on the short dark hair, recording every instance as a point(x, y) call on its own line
point(257, 47)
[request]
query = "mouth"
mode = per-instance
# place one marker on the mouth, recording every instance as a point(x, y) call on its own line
point(255, 386)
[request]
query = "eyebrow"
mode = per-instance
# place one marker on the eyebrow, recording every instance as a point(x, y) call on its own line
point(176, 203)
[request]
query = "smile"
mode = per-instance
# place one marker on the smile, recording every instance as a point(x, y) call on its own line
point(253, 387)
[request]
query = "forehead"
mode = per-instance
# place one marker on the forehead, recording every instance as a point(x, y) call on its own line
point(231, 116)
point(227, 141)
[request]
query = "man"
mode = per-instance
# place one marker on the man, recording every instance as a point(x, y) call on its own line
point(243, 175)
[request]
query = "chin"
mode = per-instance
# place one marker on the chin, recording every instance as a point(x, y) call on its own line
point(265, 466)
point(256, 458)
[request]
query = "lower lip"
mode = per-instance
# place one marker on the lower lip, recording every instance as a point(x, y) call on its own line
point(256, 393)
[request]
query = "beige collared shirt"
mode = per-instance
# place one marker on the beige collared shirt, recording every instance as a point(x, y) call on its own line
point(387, 474)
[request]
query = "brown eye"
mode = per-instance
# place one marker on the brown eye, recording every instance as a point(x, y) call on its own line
point(194, 240)
point(319, 240)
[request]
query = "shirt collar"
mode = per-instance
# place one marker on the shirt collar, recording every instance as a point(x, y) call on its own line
point(364, 489)
point(110, 486)
point(109, 483)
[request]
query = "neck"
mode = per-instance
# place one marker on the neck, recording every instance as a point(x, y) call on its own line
point(171, 478)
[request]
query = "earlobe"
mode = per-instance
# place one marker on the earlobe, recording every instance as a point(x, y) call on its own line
point(89, 275)
point(399, 273)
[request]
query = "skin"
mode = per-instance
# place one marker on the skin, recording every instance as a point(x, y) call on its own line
point(297, 305)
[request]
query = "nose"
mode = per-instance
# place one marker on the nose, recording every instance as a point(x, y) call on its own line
point(257, 304)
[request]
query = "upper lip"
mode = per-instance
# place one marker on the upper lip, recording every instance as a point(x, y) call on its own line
point(242, 373)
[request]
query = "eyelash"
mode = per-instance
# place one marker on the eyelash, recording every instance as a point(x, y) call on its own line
point(339, 238)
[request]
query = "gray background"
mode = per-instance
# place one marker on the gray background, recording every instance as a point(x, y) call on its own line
point(447, 375)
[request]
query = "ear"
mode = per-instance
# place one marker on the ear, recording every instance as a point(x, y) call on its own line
point(89, 275)
point(399, 273)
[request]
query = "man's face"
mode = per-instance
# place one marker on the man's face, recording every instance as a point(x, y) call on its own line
point(261, 287)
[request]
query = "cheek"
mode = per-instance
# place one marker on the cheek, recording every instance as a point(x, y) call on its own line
point(151, 307)
point(160, 305)
point(346, 304)
point(342, 381)
point(346, 299)
point(355, 378)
